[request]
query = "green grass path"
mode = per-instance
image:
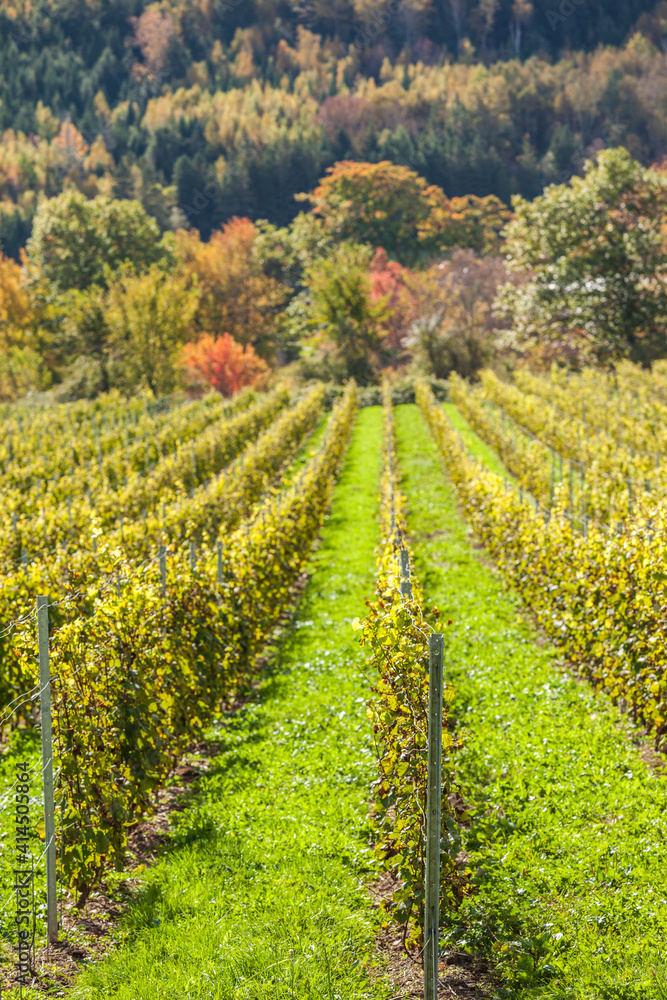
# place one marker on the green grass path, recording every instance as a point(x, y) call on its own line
point(262, 891)
point(24, 745)
point(568, 833)
point(478, 449)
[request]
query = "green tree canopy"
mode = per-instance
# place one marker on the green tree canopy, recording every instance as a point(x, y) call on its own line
point(591, 259)
point(342, 309)
point(149, 317)
point(285, 253)
point(376, 203)
point(76, 241)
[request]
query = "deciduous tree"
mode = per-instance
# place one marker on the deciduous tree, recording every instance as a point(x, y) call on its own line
point(455, 329)
point(381, 204)
point(467, 222)
point(392, 285)
point(236, 296)
point(593, 255)
point(225, 365)
point(23, 341)
point(149, 316)
point(392, 207)
point(343, 310)
point(76, 241)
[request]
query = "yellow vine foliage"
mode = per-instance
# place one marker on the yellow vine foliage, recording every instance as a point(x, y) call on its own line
point(396, 630)
point(141, 675)
point(601, 596)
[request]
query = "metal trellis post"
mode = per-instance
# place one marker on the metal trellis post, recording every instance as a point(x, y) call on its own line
point(406, 584)
point(433, 818)
point(47, 766)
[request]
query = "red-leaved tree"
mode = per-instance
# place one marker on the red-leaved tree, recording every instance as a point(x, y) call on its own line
point(224, 364)
point(392, 284)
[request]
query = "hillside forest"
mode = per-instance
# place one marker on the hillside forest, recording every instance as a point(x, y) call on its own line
point(193, 194)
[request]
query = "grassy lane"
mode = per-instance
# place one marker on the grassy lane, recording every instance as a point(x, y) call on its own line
point(306, 451)
point(568, 834)
point(474, 444)
point(24, 745)
point(262, 890)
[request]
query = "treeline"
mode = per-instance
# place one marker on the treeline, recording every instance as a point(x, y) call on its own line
point(382, 272)
point(63, 52)
point(103, 301)
point(206, 112)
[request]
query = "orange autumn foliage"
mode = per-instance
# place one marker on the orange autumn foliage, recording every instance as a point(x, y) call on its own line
point(153, 32)
point(378, 203)
point(235, 295)
point(225, 365)
point(391, 206)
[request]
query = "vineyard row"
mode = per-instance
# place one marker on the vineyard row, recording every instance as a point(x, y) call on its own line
point(601, 596)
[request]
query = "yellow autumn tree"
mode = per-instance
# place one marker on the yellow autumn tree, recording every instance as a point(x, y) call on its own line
point(388, 205)
point(21, 340)
point(15, 310)
point(381, 204)
point(464, 222)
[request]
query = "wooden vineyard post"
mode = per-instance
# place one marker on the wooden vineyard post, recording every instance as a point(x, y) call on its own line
point(219, 563)
point(433, 818)
point(47, 767)
point(406, 584)
point(162, 556)
point(570, 485)
point(193, 556)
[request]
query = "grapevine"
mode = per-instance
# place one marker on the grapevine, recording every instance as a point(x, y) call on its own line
point(141, 676)
point(396, 629)
point(600, 596)
point(219, 505)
